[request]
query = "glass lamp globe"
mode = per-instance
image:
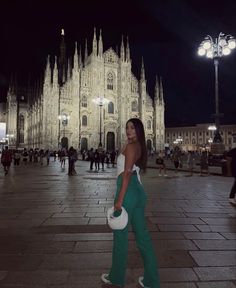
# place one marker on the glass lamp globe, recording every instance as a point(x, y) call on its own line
point(226, 50)
point(201, 51)
point(222, 42)
point(209, 54)
point(232, 43)
point(207, 44)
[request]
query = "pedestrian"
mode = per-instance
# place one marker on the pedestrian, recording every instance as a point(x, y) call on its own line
point(6, 159)
point(63, 157)
point(91, 158)
point(204, 163)
point(72, 158)
point(231, 160)
point(48, 155)
point(190, 162)
point(130, 194)
point(102, 159)
point(113, 157)
point(97, 160)
point(176, 158)
point(161, 164)
point(25, 156)
point(16, 158)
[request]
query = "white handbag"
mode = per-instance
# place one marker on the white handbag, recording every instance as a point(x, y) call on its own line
point(117, 223)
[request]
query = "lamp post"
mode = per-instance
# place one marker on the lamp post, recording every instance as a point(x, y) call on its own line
point(100, 101)
point(215, 50)
point(9, 137)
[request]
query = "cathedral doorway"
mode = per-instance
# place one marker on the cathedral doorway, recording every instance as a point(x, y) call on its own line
point(64, 142)
point(84, 144)
point(149, 145)
point(110, 141)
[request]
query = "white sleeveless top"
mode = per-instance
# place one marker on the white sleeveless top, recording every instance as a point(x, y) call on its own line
point(121, 166)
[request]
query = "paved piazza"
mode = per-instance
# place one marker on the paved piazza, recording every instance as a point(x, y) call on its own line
point(53, 231)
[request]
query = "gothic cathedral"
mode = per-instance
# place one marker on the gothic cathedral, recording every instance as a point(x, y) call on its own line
point(86, 102)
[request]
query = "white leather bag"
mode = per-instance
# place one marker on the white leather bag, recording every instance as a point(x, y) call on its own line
point(117, 223)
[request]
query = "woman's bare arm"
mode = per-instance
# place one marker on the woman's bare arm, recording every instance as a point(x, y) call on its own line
point(131, 155)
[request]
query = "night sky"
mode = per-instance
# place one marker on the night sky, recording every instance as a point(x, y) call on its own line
point(166, 33)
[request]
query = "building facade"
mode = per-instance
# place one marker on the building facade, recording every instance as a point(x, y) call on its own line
point(199, 137)
point(61, 111)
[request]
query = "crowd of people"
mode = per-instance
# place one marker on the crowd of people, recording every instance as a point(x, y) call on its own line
point(98, 158)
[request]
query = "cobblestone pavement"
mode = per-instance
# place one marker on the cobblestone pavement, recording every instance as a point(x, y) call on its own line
point(53, 230)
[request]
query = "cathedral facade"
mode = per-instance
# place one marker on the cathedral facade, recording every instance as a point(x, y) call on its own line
point(86, 102)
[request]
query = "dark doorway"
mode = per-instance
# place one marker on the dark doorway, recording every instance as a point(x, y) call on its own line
point(110, 141)
point(149, 145)
point(84, 144)
point(64, 142)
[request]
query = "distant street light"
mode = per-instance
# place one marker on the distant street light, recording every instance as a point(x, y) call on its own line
point(215, 50)
point(8, 138)
point(100, 101)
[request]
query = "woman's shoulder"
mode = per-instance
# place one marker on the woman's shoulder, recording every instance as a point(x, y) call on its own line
point(132, 148)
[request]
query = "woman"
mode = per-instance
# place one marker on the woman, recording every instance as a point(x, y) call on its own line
point(161, 164)
point(131, 195)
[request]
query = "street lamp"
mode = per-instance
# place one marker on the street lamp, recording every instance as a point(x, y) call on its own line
point(100, 101)
point(215, 50)
point(9, 137)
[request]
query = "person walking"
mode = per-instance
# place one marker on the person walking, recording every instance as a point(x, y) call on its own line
point(204, 163)
point(231, 160)
point(130, 194)
point(190, 162)
point(161, 164)
point(6, 159)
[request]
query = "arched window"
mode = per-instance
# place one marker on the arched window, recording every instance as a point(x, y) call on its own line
point(149, 124)
point(110, 81)
point(84, 120)
point(84, 101)
point(134, 106)
point(111, 108)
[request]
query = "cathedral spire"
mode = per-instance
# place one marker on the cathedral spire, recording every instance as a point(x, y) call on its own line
point(161, 97)
point(95, 45)
point(157, 91)
point(55, 73)
point(86, 51)
point(100, 44)
point(142, 71)
point(80, 58)
point(122, 50)
point(62, 58)
point(127, 50)
point(76, 60)
point(47, 75)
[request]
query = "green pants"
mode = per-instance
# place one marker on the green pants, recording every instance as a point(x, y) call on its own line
point(134, 203)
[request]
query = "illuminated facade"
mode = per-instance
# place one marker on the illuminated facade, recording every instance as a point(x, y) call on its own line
point(68, 91)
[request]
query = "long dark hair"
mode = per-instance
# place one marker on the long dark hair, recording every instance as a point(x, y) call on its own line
point(138, 125)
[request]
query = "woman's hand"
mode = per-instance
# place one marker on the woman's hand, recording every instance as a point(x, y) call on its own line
point(118, 204)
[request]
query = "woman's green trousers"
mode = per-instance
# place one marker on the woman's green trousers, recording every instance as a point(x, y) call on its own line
point(134, 203)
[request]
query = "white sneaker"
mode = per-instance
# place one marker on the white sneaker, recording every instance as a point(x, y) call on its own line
point(159, 174)
point(165, 175)
point(140, 281)
point(232, 201)
point(105, 279)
